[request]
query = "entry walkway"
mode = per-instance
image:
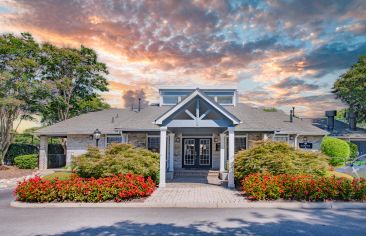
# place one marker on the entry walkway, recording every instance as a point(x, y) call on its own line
point(195, 190)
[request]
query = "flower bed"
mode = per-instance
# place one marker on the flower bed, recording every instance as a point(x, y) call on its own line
point(263, 186)
point(117, 187)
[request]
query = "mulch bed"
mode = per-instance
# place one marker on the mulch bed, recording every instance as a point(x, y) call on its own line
point(10, 172)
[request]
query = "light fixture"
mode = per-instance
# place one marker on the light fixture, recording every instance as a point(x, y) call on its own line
point(291, 137)
point(216, 140)
point(177, 140)
point(305, 139)
point(97, 135)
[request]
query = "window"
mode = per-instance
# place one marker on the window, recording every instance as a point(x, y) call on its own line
point(170, 100)
point(240, 143)
point(228, 100)
point(115, 139)
point(281, 138)
point(153, 143)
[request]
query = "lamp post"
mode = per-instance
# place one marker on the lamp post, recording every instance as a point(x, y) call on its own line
point(97, 134)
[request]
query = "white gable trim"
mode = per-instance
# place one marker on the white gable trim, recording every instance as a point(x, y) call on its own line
point(197, 92)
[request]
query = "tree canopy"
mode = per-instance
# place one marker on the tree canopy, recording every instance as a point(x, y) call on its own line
point(74, 78)
point(53, 82)
point(351, 88)
point(20, 90)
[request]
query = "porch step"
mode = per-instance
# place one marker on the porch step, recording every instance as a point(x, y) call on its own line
point(195, 173)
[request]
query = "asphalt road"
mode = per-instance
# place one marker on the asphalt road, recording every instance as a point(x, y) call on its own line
point(150, 221)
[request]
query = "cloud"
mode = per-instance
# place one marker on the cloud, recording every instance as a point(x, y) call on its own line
point(279, 45)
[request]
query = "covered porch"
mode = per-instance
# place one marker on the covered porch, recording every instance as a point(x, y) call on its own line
point(197, 133)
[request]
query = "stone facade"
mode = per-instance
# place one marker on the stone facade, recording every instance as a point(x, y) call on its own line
point(78, 144)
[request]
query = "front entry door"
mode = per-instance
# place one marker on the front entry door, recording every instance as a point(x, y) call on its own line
point(197, 153)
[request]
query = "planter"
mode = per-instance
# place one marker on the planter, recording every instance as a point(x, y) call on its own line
point(223, 175)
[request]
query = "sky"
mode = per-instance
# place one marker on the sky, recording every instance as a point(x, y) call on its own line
point(277, 53)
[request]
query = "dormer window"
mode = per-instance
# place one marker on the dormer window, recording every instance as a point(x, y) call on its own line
point(170, 99)
point(174, 96)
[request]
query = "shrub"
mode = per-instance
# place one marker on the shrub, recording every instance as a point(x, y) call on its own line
point(117, 158)
point(117, 187)
point(18, 149)
point(338, 150)
point(264, 186)
point(353, 150)
point(278, 158)
point(26, 161)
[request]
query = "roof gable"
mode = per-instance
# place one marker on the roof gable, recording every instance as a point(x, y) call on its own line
point(197, 94)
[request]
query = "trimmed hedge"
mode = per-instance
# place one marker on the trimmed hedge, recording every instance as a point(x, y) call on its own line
point(117, 158)
point(264, 186)
point(353, 150)
point(338, 150)
point(19, 149)
point(26, 161)
point(117, 188)
point(278, 158)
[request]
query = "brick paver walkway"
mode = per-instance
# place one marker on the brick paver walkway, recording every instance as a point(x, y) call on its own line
point(195, 190)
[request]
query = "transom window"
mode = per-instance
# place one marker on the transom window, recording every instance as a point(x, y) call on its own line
point(153, 143)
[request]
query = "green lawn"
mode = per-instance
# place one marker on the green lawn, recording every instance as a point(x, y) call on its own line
point(60, 175)
point(338, 174)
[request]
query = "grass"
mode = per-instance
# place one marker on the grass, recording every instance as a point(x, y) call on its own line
point(338, 175)
point(60, 175)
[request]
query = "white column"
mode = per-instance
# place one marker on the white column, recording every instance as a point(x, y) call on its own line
point(171, 152)
point(222, 152)
point(231, 157)
point(162, 156)
point(43, 148)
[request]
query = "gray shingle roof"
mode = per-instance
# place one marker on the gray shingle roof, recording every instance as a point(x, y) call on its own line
point(341, 129)
point(252, 119)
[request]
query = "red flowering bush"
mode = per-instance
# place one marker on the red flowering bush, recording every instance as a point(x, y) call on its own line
point(264, 186)
point(117, 187)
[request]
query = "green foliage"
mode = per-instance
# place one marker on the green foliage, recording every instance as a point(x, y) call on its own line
point(26, 161)
point(27, 136)
point(18, 149)
point(73, 77)
point(117, 158)
point(353, 150)
point(351, 88)
point(20, 91)
point(278, 158)
point(338, 150)
point(264, 186)
point(270, 109)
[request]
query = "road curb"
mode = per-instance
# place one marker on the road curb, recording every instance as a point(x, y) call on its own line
point(248, 205)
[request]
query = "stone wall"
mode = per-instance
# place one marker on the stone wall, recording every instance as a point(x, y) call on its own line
point(78, 144)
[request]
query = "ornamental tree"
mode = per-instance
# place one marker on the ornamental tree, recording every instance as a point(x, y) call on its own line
point(74, 78)
point(351, 88)
point(20, 90)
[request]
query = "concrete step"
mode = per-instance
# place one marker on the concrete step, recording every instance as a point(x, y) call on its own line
point(195, 173)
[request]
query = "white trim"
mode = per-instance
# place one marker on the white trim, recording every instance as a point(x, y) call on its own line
point(283, 135)
point(197, 92)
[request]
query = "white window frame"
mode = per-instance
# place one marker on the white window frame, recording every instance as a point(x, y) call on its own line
point(179, 98)
point(281, 135)
point(123, 136)
point(151, 136)
point(231, 103)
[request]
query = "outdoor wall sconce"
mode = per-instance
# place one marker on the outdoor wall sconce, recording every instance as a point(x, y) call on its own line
point(177, 140)
point(97, 135)
point(291, 137)
point(216, 140)
point(305, 139)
